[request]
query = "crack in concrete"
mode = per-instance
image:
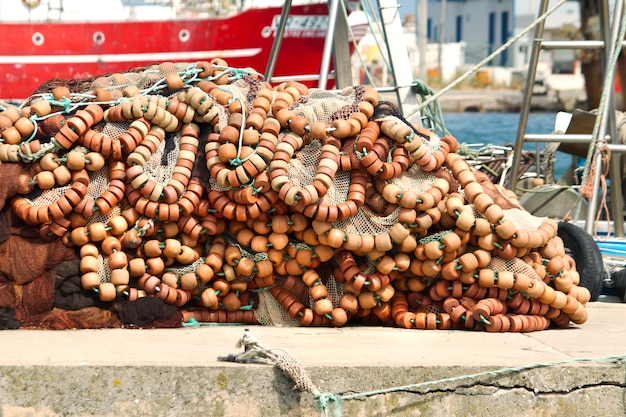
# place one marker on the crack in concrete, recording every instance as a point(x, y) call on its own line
point(457, 390)
point(538, 393)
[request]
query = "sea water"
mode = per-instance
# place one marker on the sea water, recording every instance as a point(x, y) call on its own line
point(501, 129)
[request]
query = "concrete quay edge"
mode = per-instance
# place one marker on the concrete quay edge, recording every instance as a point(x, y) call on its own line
point(175, 372)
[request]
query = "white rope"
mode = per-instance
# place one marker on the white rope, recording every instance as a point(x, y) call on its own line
point(255, 352)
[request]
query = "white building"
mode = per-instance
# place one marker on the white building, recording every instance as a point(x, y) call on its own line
point(486, 25)
point(473, 29)
point(482, 24)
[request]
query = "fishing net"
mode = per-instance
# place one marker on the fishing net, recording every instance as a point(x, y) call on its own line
point(195, 192)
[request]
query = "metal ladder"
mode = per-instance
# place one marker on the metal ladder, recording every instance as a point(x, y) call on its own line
point(337, 45)
point(336, 42)
point(607, 129)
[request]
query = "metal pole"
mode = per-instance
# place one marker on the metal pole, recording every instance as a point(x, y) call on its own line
point(278, 40)
point(615, 174)
point(593, 201)
point(333, 8)
point(607, 123)
point(525, 109)
point(422, 19)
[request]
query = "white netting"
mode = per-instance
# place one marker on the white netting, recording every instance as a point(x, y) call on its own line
point(270, 313)
point(324, 106)
point(104, 270)
point(161, 164)
point(303, 166)
point(514, 265)
point(414, 179)
point(181, 269)
point(367, 221)
point(523, 219)
point(99, 183)
point(48, 196)
point(144, 79)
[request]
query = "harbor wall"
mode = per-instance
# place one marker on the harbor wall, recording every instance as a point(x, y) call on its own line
point(263, 390)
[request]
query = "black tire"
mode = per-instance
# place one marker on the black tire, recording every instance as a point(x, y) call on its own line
point(619, 284)
point(586, 253)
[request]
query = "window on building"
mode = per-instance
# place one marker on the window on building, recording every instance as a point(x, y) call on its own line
point(492, 31)
point(563, 61)
point(491, 38)
point(504, 37)
point(459, 28)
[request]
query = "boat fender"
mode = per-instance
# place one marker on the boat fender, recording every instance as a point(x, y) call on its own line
point(585, 251)
point(31, 4)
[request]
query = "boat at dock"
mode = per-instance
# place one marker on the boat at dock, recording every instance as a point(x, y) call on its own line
point(69, 39)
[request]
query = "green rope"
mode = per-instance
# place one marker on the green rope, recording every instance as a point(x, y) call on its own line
point(85, 97)
point(65, 102)
point(262, 289)
point(141, 231)
point(435, 237)
point(433, 110)
point(239, 73)
point(248, 306)
point(465, 149)
point(225, 72)
point(323, 399)
point(33, 120)
point(255, 190)
point(190, 74)
point(52, 146)
point(195, 323)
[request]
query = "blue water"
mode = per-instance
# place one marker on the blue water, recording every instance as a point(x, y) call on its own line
point(501, 129)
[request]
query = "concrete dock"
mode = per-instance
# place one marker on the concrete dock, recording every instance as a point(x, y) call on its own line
point(509, 101)
point(578, 371)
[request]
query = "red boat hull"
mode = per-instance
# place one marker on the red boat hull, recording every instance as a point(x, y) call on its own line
point(38, 52)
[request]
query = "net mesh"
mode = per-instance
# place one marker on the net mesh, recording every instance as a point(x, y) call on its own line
point(271, 313)
point(273, 298)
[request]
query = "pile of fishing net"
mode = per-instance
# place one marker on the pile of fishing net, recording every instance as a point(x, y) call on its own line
point(193, 193)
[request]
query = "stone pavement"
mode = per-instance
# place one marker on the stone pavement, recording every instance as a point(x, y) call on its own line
point(175, 372)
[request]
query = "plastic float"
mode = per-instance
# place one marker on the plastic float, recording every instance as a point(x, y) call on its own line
point(181, 194)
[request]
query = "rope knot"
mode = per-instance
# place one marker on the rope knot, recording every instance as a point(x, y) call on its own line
point(324, 399)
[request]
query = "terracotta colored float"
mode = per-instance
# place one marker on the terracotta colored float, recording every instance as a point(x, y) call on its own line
point(238, 201)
